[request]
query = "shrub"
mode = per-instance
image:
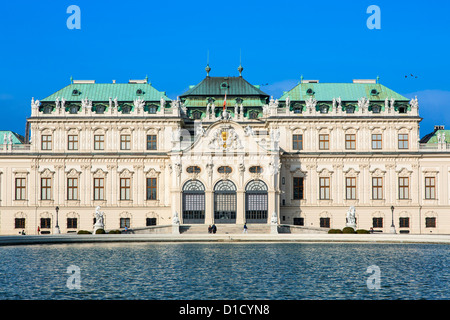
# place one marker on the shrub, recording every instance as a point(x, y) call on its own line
point(335, 231)
point(84, 232)
point(362, 231)
point(115, 232)
point(100, 231)
point(348, 230)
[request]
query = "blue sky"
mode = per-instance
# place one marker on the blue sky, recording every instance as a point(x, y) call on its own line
point(279, 40)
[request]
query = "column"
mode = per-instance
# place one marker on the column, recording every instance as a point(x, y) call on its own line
point(240, 206)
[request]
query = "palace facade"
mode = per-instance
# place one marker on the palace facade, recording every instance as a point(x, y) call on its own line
point(224, 152)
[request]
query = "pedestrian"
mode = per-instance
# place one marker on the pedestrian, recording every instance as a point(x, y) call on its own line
point(245, 228)
point(209, 229)
point(126, 229)
point(214, 228)
point(39, 230)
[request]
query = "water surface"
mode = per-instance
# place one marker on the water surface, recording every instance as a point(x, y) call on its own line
point(173, 271)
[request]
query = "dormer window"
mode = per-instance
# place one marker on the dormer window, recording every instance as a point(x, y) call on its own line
point(139, 92)
point(47, 109)
point(376, 109)
point(100, 109)
point(350, 109)
point(126, 109)
point(374, 92)
point(152, 109)
point(309, 92)
point(197, 115)
point(253, 115)
point(323, 109)
point(402, 109)
point(76, 92)
point(73, 109)
point(297, 108)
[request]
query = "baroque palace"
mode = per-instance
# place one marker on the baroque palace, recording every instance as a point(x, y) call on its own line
point(224, 152)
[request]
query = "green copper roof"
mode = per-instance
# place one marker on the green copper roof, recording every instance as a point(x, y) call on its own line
point(431, 138)
point(104, 91)
point(346, 91)
point(217, 86)
point(16, 138)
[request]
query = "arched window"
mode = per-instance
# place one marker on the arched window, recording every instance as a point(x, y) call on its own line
point(193, 202)
point(256, 205)
point(225, 202)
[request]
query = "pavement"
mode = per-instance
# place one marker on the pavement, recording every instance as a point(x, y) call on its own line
point(229, 238)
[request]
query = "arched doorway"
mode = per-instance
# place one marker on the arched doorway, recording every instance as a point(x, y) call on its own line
point(225, 202)
point(193, 202)
point(256, 205)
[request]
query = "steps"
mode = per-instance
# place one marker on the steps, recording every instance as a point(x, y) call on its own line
point(225, 228)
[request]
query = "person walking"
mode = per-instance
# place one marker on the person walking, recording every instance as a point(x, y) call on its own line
point(245, 228)
point(39, 230)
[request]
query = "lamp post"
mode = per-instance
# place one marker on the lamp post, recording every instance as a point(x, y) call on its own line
point(392, 224)
point(56, 230)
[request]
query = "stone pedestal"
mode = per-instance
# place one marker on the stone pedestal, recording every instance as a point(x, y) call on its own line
point(98, 226)
point(274, 229)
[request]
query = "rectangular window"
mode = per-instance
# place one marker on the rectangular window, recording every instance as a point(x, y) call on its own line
point(297, 142)
point(299, 221)
point(125, 188)
point(124, 222)
point(350, 188)
point(99, 188)
point(99, 142)
point(404, 222)
point(377, 222)
point(72, 223)
point(72, 142)
point(350, 141)
point(430, 188)
point(46, 188)
point(377, 188)
point(298, 188)
point(324, 222)
point(403, 141)
point(403, 188)
point(324, 192)
point(20, 189)
point(430, 222)
point(324, 141)
point(377, 141)
point(150, 222)
point(151, 142)
point(125, 142)
point(46, 143)
point(72, 188)
point(151, 189)
point(19, 223)
point(46, 223)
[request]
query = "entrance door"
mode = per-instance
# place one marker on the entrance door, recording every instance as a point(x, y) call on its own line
point(225, 202)
point(256, 202)
point(193, 202)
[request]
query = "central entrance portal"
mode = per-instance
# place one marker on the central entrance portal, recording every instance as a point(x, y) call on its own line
point(225, 202)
